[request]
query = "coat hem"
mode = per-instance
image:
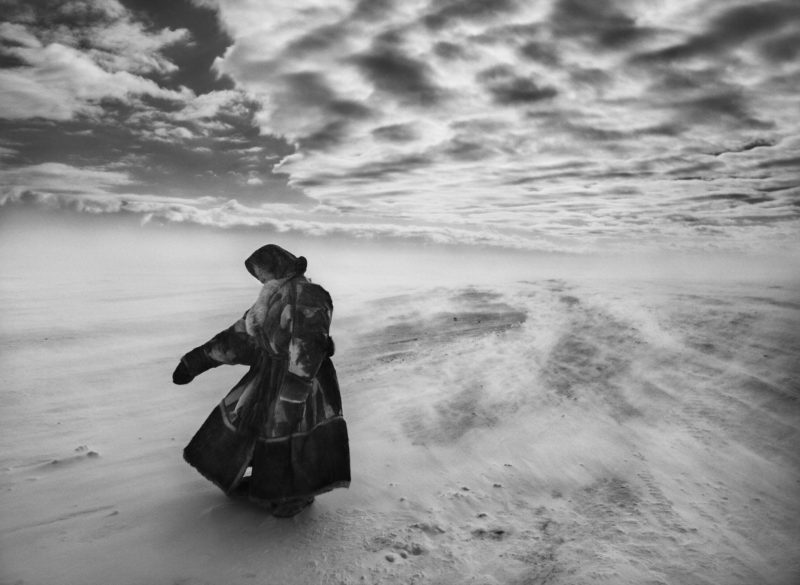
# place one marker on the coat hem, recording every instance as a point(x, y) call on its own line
point(229, 490)
point(328, 488)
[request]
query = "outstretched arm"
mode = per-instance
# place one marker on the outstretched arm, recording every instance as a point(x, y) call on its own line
point(231, 346)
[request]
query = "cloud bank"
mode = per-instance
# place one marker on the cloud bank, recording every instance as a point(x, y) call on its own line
point(560, 123)
point(96, 84)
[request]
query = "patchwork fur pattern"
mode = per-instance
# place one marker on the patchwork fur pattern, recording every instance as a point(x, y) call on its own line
point(284, 417)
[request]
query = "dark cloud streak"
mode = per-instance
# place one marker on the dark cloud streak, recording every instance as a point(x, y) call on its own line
point(542, 52)
point(396, 133)
point(372, 10)
point(450, 51)
point(748, 198)
point(757, 143)
point(735, 27)
point(193, 59)
point(407, 79)
point(467, 10)
point(309, 91)
point(600, 22)
point(319, 39)
point(714, 108)
point(210, 161)
point(507, 88)
point(325, 138)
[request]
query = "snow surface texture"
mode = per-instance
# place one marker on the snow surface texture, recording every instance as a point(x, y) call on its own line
point(550, 431)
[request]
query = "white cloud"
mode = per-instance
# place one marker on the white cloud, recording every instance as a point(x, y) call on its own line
point(18, 34)
point(565, 231)
point(561, 124)
point(60, 81)
point(166, 132)
point(210, 104)
point(7, 152)
point(466, 116)
point(125, 46)
point(58, 76)
point(61, 177)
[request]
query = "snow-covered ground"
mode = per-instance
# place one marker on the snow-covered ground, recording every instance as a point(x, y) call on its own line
point(532, 429)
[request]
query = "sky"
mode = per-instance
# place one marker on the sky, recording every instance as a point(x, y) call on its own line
point(549, 125)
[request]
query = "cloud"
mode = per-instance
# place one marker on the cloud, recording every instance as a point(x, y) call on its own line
point(728, 105)
point(396, 132)
point(507, 88)
point(565, 123)
point(545, 53)
point(58, 82)
point(317, 40)
point(213, 212)
point(711, 221)
point(782, 47)
point(210, 105)
point(191, 58)
point(94, 87)
point(71, 55)
point(601, 23)
point(763, 23)
point(102, 29)
point(61, 177)
point(778, 163)
point(397, 75)
point(208, 149)
point(14, 34)
point(470, 10)
point(372, 10)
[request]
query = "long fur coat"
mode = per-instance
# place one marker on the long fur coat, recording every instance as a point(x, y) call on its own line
point(283, 419)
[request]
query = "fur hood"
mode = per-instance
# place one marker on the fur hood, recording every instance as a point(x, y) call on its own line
point(276, 261)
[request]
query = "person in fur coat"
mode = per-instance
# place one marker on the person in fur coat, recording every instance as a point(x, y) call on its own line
point(278, 437)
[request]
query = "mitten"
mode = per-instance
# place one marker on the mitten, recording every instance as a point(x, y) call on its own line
point(181, 374)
